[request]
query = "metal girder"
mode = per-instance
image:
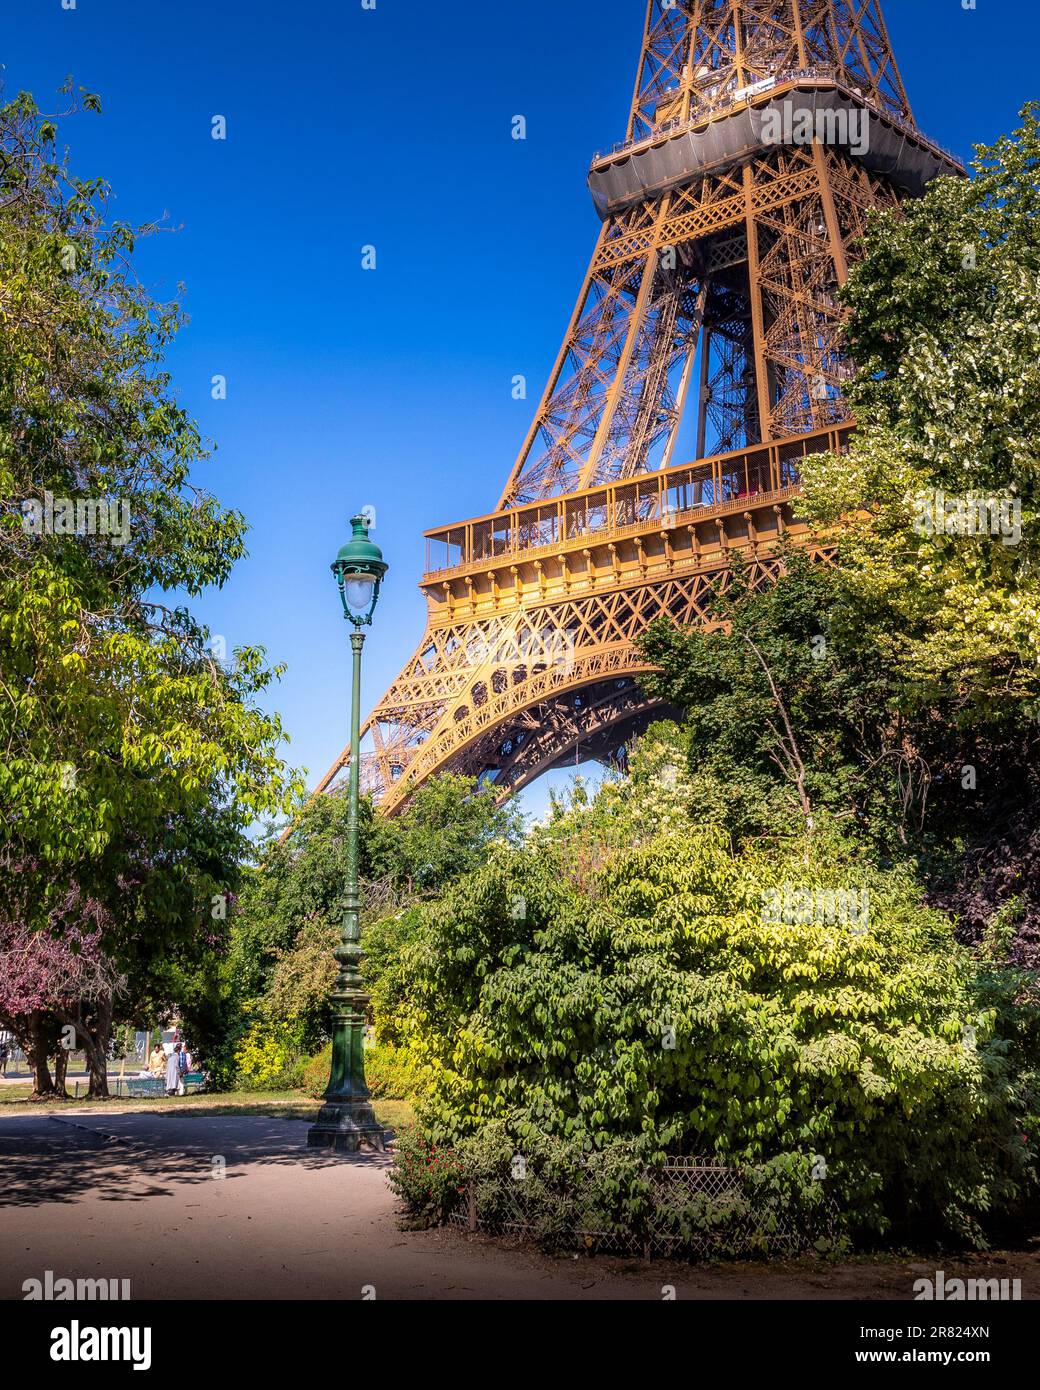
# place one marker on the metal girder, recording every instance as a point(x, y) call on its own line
point(499, 658)
point(729, 280)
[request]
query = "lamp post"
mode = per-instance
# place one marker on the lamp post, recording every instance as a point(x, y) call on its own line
point(347, 1121)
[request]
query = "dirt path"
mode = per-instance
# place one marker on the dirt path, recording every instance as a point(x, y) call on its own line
point(237, 1207)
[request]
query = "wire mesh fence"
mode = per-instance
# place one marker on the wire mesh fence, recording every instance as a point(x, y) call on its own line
point(692, 1207)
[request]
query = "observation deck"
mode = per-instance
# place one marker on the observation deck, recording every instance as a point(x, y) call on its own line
point(692, 515)
point(739, 127)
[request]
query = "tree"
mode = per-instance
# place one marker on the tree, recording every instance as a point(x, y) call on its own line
point(58, 990)
point(935, 511)
point(287, 918)
point(784, 721)
point(897, 688)
point(444, 831)
point(134, 761)
point(936, 503)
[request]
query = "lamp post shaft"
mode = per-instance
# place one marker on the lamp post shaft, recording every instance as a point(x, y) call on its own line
point(353, 903)
point(347, 1120)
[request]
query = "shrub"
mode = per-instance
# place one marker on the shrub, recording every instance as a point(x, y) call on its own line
point(662, 1011)
point(426, 1176)
point(314, 1076)
point(298, 994)
point(267, 1058)
point(388, 1072)
point(567, 1198)
point(384, 942)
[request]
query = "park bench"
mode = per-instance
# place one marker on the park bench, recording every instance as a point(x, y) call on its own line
point(139, 1086)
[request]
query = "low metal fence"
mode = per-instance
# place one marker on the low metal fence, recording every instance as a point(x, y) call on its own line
point(694, 1207)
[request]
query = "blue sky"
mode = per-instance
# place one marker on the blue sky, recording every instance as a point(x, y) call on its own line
point(390, 127)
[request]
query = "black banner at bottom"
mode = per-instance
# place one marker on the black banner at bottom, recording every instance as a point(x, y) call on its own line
point(207, 1340)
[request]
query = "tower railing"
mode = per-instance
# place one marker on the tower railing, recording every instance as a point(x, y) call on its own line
point(748, 95)
point(758, 474)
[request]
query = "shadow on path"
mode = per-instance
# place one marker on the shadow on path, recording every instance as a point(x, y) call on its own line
point(129, 1158)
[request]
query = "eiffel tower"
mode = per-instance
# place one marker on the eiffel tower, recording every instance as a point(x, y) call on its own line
point(761, 134)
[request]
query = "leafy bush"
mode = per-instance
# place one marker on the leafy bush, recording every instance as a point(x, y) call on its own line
point(566, 1197)
point(314, 1075)
point(299, 992)
point(663, 1011)
point(388, 1072)
point(287, 918)
point(384, 942)
point(267, 1059)
point(426, 1176)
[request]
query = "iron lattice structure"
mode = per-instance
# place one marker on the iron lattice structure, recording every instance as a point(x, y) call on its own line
point(711, 295)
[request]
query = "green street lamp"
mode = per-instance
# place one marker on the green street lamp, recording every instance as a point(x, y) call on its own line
point(347, 1121)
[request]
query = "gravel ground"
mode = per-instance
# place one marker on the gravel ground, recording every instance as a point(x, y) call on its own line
point(140, 1197)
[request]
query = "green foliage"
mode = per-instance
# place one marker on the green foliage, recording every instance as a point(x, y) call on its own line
point(792, 709)
point(899, 689)
point(385, 942)
point(388, 1071)
point(783, 720)
point(391, 1073)
point(118, 719)
point(195, 982)
point(301, 983)
point(653, 795)
point(133, 762)
point(572, 1198)
point(945, 333)
point(301, 882)
point(314, 1076)
point(666, 1013)
point(267, 1058)
point(443, 832)
point(428, 1177)
point(287, 918)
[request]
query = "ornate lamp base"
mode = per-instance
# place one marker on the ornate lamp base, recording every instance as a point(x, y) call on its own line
point(346, 1127)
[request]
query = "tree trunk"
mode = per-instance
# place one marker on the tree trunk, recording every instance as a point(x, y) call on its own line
point(36, 1050)
point(61, 1066)
point(96, 1044)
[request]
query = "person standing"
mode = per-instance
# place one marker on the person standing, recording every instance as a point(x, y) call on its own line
point(5, 1052)
point(174, 1085)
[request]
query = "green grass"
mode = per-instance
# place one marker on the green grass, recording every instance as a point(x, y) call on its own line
point(292, 1105)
